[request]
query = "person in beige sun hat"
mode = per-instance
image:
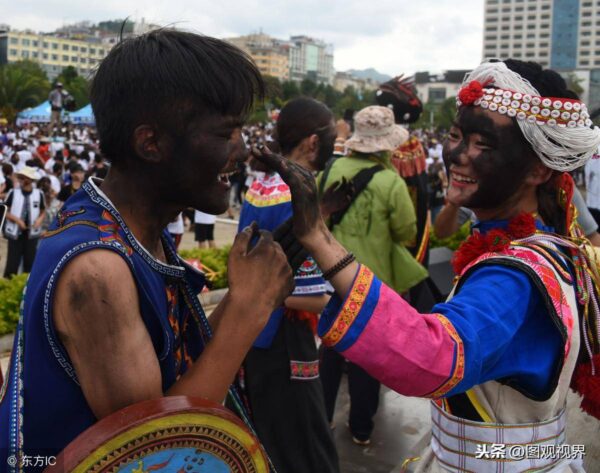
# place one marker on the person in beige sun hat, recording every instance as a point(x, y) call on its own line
point(376, 130)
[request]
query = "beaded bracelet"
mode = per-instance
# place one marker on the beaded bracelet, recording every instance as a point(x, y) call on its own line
point(337, 267)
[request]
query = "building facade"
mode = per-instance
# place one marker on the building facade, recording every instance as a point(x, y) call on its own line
point(311, 59)
point(342, 80)
point(270, 55)
point(560, 34)
point(435, 88)
point(52, 53)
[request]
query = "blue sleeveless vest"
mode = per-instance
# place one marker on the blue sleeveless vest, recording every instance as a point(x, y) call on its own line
point(42, 407)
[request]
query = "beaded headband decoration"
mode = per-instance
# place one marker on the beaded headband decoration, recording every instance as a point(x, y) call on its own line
point(559, 129)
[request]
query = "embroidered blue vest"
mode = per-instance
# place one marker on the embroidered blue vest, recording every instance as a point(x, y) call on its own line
point(42, 407)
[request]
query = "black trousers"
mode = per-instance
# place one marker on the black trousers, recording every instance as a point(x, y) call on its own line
point(362, 387)
point(21, 249)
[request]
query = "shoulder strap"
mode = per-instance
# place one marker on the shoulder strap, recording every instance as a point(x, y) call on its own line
point(325, 175)
point(357, 184)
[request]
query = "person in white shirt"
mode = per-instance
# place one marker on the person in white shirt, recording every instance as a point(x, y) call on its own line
point(204, 228)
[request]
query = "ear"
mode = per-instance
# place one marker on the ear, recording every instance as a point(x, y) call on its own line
point(312, 143)
point(147, 144)
point(539, 174)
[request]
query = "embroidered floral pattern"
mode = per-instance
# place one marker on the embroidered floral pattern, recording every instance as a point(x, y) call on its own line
point(351, 308)
point(269, 191)
point(304, 370)
point(459, 365)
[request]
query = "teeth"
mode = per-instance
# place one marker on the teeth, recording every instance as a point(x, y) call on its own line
point(460, 178)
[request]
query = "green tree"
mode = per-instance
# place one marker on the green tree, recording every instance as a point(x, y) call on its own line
point(290, 90)
point(22, 84)
point(308, 88)
point(574, 83)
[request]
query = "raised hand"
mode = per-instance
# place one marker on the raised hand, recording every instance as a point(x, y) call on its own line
point(305, 200)
point(259, 275)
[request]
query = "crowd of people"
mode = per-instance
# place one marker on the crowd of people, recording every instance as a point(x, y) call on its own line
point(333, 242)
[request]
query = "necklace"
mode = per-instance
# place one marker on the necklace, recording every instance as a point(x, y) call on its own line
point(494, 241)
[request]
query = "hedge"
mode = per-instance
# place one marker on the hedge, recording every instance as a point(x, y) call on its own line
point(214, 261)
point(11, 292)
point(454, 241)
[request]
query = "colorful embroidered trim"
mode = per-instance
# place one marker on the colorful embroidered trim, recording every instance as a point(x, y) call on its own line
point(109, 231)
point(304, 370)
point(459, 365)
point(267, 200)
point(63, 215)
point(352, 306)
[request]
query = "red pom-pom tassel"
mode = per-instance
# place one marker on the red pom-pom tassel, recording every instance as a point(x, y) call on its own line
point(588, 386)
point(471, 92)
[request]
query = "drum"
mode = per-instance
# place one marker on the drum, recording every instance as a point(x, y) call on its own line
point(175, 434)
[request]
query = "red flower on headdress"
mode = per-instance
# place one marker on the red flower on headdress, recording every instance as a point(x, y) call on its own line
point(470, 92)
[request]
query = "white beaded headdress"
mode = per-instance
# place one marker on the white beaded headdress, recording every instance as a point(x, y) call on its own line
point(558, 129)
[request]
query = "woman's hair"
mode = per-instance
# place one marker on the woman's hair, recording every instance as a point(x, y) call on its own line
point(549, 84)
point(301, 118)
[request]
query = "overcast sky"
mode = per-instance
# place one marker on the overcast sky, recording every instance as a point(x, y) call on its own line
point(393, 36)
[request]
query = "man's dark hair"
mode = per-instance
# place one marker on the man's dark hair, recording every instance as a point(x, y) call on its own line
point(301, 118)
point(7, 169)
point(57, 167)
point(165, 78)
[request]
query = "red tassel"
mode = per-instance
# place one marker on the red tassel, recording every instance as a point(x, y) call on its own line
point(310, 318)
point(470, 249)
point(588, 386)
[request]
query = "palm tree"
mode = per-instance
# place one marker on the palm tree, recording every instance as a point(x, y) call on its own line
point(22, 84)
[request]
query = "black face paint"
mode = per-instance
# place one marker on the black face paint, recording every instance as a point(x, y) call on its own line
point(500, 167)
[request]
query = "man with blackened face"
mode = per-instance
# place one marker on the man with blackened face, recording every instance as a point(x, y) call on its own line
point(111, 313)
point(506, 346)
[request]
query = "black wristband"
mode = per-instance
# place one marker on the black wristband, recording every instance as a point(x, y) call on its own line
point(337, 267)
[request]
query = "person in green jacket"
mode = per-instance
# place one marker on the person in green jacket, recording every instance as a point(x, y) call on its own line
point(378, 224)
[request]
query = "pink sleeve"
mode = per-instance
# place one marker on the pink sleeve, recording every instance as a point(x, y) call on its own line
point(414, 354)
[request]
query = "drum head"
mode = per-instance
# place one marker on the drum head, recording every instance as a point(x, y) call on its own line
point(172, 434)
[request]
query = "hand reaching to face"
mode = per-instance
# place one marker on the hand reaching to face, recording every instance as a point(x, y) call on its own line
point(305, 200)
point(261, 275)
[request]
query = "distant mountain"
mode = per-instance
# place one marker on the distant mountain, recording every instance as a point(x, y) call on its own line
point(369, 74)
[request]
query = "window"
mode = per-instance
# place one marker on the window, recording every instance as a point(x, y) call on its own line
point(504, 56)
point(545, 26)
point(545, 16)
point(65, 58)
point(530, 35)
point(84, 50)
point(517, 55)
point(584, 63)
point(35, 43)
point(45, 56)
point(586, 23)
point(505, 36)
point(14, 40)
point(517, 45)
point(92, 51)
point(586, 33)
point(55, 57)
point(544, 63)
point(505, 28)
point(531, 26)
point(531, 45)
point(493, 10)
point(531, 17)
point(506, 18)
point(518, 18)
point(504, 46)
point(54, 45)
point(531, 8)
point(65, 47)
point(586, 43)
point(25, 54)
point(519, 9)
point(597, 62)
point(490, 46)
point(34, 54)
point(13, 52)
point(505, 9)
point(585, 52)
point(74, 48)
point(25, 42)
point(518, 36)
point(436, 94)
point(529, 54)
point(490, 37)
point(544, 35)
point(82, 60)
point(586, 13)
point(518, 27)
point(73, 58)
point(543, 45)
point(543, 53)
point(587, 4)
point(545, 7)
